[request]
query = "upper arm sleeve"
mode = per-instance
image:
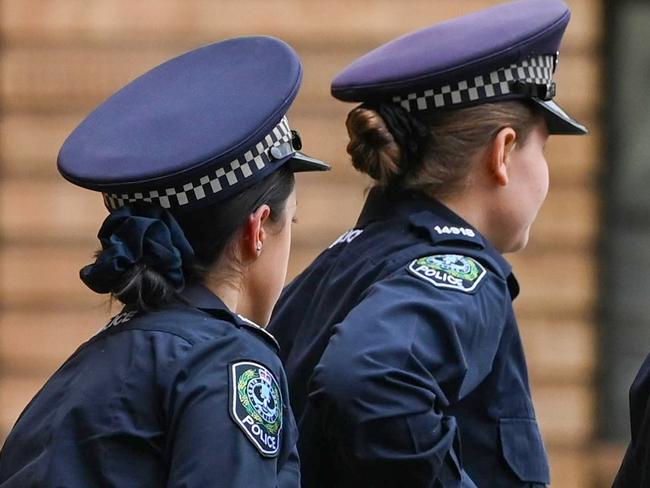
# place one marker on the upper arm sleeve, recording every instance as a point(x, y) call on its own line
point(207, 447)
point(402, 355)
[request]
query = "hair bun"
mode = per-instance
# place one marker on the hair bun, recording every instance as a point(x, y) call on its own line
point(142, 257)
point(372, 146)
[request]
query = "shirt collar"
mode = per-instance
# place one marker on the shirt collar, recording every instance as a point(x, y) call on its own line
point(199, 296)
point(439, 222)
point(383, 205)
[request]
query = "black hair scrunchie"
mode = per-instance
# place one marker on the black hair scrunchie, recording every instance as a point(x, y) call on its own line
point(129, 235)
point(410, 133)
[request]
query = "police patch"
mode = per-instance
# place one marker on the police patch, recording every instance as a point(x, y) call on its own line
point(449, 271)
point(256, 405)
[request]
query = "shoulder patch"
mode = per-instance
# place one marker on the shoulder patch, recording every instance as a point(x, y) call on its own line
point(256, 405)
point(449, 271)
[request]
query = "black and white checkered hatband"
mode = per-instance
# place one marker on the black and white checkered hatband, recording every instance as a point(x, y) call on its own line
point(532, 77)
point(213, 182)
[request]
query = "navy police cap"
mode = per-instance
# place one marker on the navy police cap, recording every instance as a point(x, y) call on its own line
point(505, 52)
point(194, 130)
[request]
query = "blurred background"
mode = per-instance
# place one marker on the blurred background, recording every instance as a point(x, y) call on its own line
point(585, 275)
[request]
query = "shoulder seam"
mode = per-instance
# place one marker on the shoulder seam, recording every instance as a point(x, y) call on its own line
point(142, 329)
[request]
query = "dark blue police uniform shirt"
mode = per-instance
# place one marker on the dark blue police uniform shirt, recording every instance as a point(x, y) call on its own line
point(398, 374)
point(635, 469)
point(148, 403)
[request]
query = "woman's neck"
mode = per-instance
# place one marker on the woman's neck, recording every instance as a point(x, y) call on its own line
point(232, 290)
point(476, 211)
point(227, 287)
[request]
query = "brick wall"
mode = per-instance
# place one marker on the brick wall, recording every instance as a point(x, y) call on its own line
point(60, 58)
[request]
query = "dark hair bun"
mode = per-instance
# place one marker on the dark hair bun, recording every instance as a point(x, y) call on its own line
point(430, 152)
point(386, 141)
point(373, 148)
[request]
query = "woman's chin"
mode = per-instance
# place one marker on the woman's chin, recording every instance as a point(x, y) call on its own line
point(518, 244)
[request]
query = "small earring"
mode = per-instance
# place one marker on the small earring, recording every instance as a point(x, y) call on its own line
point(259, 246)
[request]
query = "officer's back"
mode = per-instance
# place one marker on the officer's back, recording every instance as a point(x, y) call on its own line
point(182, 388)
point(117, 412)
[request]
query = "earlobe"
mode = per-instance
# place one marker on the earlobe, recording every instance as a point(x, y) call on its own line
point(501, 154)
point(255, 232)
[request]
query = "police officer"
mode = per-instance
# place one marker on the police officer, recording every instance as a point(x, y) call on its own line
point(195, 160)
point(635, 468)
point(402, 350)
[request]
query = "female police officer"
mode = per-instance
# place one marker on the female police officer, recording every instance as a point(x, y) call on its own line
point(195, 160)
point(400, 341)
point(635, 468)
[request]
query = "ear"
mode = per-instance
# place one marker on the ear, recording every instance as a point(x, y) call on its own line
point(499, 156)
point(254, 233)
